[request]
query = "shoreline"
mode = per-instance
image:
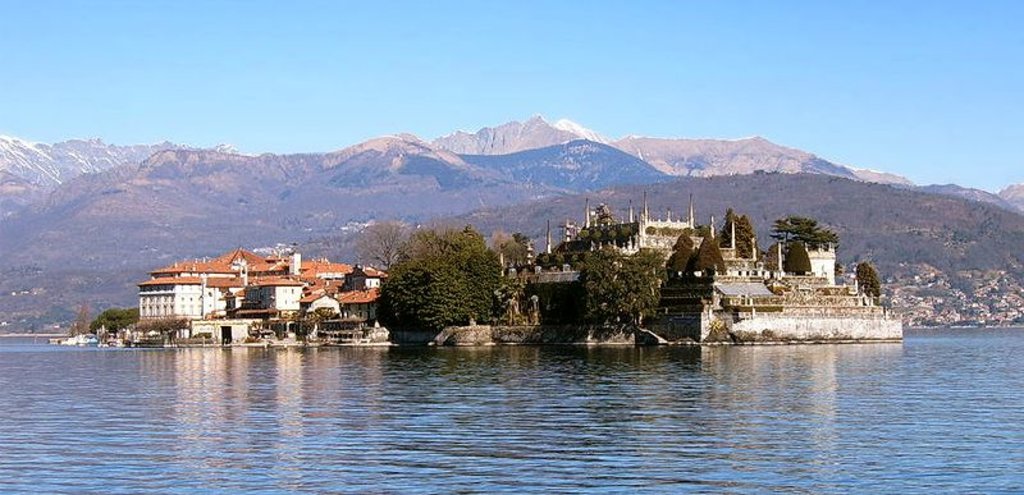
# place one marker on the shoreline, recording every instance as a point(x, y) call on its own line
point(918, 328)
point(481, 336)
point(488, 345)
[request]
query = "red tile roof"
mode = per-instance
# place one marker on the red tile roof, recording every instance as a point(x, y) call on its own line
point(222, 264)
point(359, 296)
point(250, 257)
point(215, 282)
point(194, 266)
point(276, 281)
point(312, 268)
point(373, 272)
point(172, 281)
point(313, 297)
point(224, 282)
point(263, 269)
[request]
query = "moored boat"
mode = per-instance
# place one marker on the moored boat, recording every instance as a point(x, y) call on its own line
point(84, 340)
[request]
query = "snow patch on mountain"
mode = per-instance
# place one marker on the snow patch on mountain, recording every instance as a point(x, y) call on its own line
point(577, 129)
point(47, 166)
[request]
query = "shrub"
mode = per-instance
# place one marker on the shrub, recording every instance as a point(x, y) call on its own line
point(797, 260)
point(709, 257)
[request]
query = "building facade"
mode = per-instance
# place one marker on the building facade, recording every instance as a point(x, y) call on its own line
point(242, 286)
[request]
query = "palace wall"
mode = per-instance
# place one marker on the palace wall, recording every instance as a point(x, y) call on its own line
point(813, 329)
point(475, 335)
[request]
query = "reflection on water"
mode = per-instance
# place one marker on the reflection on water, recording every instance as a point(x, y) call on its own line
point(940, 412)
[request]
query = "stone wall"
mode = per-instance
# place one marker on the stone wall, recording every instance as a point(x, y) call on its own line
point(412, 336)
point(533, 334)
point(809, 329)
point(722, 327)
point(689, 327)
point(236, 330)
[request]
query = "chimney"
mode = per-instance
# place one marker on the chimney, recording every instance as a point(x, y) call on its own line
point(296, 264)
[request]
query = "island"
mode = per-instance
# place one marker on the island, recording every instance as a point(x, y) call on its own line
point(641, 279)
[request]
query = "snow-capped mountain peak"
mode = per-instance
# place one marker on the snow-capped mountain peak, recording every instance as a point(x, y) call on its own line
point(535, 132)
point(226, 148)
point(583, 132)
point(49, 165)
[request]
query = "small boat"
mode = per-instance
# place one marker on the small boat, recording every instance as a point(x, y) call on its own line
point(84, 340)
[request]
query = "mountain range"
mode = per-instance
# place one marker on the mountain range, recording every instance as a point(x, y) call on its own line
point(1013, 195)
point(81, 221)
point(29, 171)
point(672, 157)
point(892, 226)
point(516, 136)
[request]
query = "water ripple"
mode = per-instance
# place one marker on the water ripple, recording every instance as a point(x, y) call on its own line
point(939, 413)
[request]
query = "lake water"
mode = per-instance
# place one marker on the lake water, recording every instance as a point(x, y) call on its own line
point(942, 412)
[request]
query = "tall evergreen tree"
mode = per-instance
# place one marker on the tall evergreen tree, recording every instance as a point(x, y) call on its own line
point(681, 259)
point(867, 279)
point(744, 234)
point(797, 259)
point(771, 258)
point(709, 257)
point(803, 229)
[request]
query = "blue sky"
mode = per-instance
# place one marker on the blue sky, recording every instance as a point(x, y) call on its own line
point(931, 90)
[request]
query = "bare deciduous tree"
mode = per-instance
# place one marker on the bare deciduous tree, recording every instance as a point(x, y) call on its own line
point(81, 324)
point(514, 248)
point(380, 243)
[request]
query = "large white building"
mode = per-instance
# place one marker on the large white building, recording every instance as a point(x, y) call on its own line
point(198, 289)
point(244, 284)
point(277, 294)
point(179, 297)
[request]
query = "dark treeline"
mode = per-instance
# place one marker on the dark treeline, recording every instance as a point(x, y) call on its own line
point(446, 276)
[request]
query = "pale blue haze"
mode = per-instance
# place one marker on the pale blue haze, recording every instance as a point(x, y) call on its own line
point(933, 90)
